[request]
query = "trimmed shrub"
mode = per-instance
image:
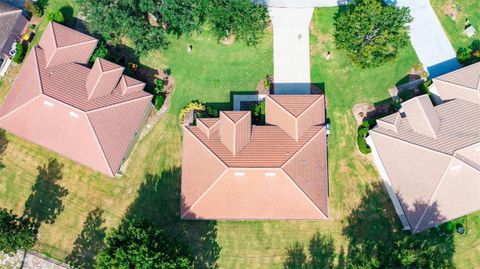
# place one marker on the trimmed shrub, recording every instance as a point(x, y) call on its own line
point(158, 101)
point(194, 105)
point(100, 51)
point(361, 142)
point(56, 16)
point(212, 112)
point(21, 52)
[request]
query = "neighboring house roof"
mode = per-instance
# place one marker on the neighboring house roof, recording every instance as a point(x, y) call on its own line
point(91, 123)
point(233, 170)
point(462, 84)
point(432, 158)
point(10, 18)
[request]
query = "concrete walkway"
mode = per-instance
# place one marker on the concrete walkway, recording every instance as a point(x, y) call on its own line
point(429, 39)
point(291, 49)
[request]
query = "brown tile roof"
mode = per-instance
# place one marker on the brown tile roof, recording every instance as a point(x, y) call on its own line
point(259, 177)
point(436, 179)
point(296, 105)
point(65, 37)
point(50, 107)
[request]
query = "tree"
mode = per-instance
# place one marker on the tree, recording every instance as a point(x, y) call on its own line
point(56, 16)
point(16, 232)
point(137, 244)
point(246, 19)
point(372, 32)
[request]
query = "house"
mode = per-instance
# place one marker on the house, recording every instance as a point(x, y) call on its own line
point(92, 116)
point(12, 25)
point(429, 156)
point(232, 169)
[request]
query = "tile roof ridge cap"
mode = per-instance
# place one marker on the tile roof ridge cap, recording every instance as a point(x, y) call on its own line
point(311, 104)
point(454, 84)
point(281, 106)
point(92, 39)
point(37, 68)
point(205, 145)
point(117, 104)
point(304, 193)
point(456, 157)
point(323, 127)
point(104, 155)
point(410, 143)
point(429, 204)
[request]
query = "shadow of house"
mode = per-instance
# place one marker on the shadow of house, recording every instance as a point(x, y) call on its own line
point(159, 201)
point(45, 202)
point(3, 147)
point(321, 251)
point(89, 242)
point(376, 239)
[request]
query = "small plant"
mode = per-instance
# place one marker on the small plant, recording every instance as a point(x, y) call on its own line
point(212, 112)
point(167, 71)
point(159, 85)
point(20, 54)
point(56, 16)
point(361, 142)
point(258, 113)
point(267, 82)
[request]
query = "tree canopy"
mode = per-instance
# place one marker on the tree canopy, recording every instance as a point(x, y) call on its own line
point(372, 32)
point(137, 244)
point(147, 22)
point(16, 232)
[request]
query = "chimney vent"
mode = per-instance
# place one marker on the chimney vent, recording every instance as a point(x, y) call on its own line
point(421, 116)
point(235, 129)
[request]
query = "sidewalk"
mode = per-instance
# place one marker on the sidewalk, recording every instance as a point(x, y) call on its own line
point(30, 260)
point(429, 39)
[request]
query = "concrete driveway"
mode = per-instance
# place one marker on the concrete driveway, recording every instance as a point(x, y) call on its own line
point(429, 39)
point(291, 49)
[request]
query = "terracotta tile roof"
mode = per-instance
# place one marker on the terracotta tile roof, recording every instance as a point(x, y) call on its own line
point(271, 176)
point(65, 37)
point(9, 17)
point(50, 106)
point(235, 116)
point(436, 178)
point(296, 105)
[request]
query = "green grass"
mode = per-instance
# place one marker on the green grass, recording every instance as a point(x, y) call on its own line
point(150, 186)
point(465, 9)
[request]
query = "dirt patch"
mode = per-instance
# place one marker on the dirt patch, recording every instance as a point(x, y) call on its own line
point(322, 44)
point(452, 10)
point(227, 41)
point(360, 111)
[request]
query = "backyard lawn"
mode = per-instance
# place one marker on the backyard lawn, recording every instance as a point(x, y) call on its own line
point(462, 10)
point(150, 186)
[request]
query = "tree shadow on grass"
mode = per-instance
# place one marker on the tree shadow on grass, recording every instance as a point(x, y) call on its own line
point(45, 202)
point(321, 251)
point(376, 238)
point(67, 12)
point(89, 242)
point(159, 201)
point(3, 147)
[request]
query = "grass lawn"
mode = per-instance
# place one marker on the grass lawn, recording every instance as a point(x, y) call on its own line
point(464, 9)
point(150, 186)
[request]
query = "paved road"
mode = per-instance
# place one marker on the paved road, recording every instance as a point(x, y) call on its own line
point(291, 49)
point(429, 39)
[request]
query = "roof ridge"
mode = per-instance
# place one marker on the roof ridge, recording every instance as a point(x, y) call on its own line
point(99, 144)
point(303, 146)
point(205, 145)
point(37, 68)
point(118, 104)
point(304, 193)
point(281, 106)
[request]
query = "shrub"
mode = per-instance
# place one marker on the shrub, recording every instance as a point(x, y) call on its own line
point(194, 105)
point(258, 113)
point(159, 85)
point(33, 8)
point(158, 101)
point(212, 112)
point(424, 87)
point(361, 142)
point(56, 16)
point(167, 71)
point(20, 54)
point(267, 82)
point(100, 51)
